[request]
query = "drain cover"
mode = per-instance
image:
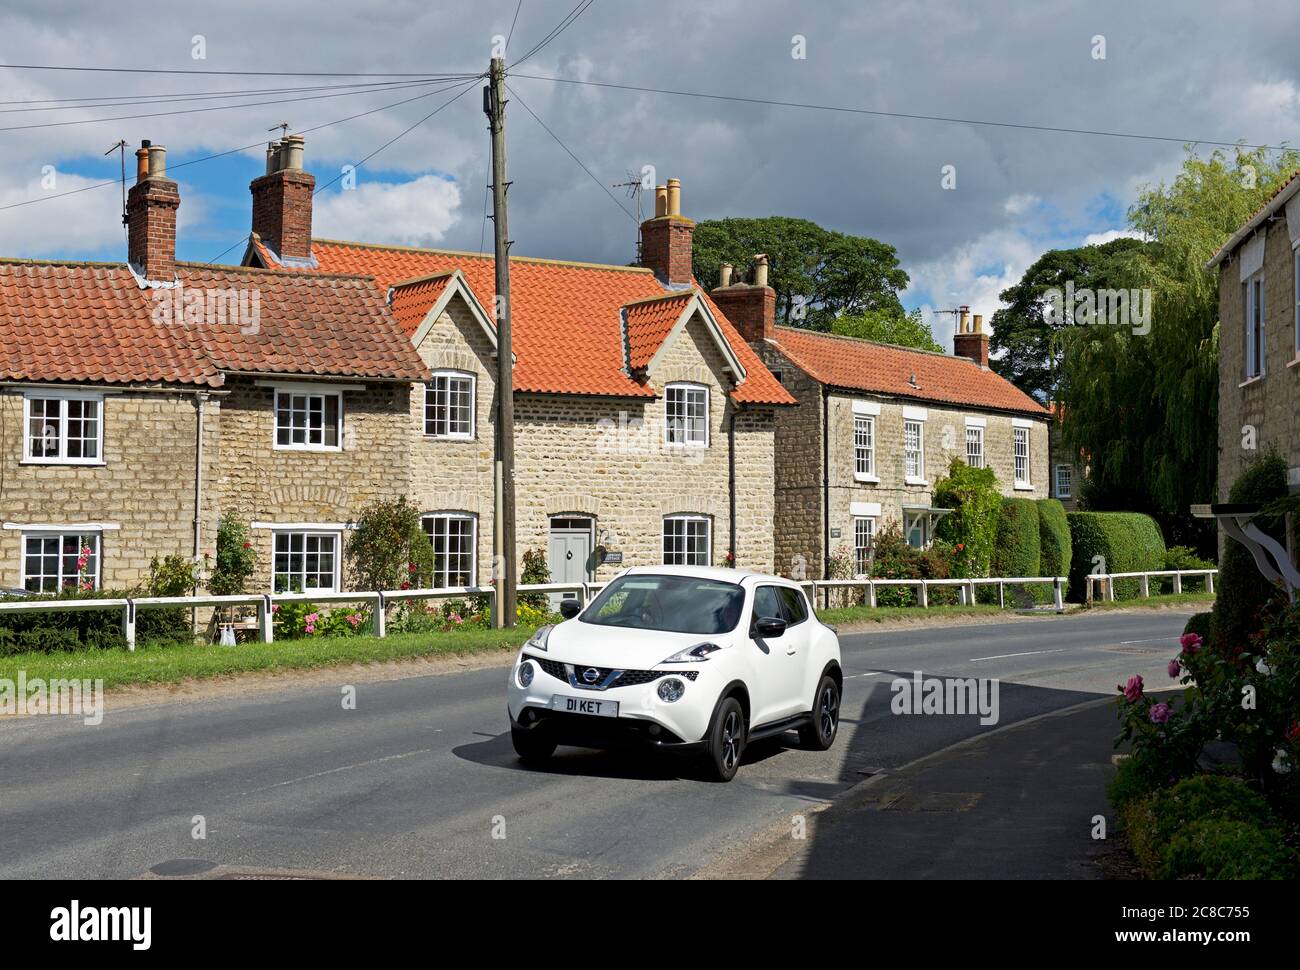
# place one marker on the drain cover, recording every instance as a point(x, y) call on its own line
point(182, 867)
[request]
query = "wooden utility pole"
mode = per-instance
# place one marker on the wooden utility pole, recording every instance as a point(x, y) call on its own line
point(494, 106)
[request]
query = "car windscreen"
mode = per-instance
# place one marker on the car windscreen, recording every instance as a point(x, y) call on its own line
point(674, 604)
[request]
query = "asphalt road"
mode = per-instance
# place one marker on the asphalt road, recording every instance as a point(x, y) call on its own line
point(420, 777)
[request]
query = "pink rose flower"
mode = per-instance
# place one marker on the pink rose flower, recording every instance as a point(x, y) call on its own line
point(1133, 689)
point(1191, 642)
point(312, 617)
point(354, 619)
point(1175, 668)
point(275, 608)
point(1160, 713)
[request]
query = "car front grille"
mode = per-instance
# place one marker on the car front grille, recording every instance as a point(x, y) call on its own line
point(606, 677)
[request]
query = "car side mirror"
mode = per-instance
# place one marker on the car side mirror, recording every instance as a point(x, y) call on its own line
point(769, 627)
point(570, 608)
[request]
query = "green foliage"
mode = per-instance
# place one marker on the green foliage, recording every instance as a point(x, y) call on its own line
point(1018, 549)
point(536, 572)
point(888, 326)
point(1208, 827)
point(1125, 542)
point(1054, 538)
point(389, 549)
point(236, 559)
point(1243, 592)
point(1201, 624)
point(971, 528)
point(818, 274)
point(893, 558)
point(63, 631)
point(169, 576)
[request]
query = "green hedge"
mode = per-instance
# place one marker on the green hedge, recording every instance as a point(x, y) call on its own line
point(1242, 591)
point(1126, 541)
point(1017, 551)
point(58, 632)
point(1053, 538)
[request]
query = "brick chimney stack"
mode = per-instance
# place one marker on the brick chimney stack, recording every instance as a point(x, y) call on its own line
point(970, 340)
point(282, 202)
point(751, 306)
point(151, 216)
point(666, 239)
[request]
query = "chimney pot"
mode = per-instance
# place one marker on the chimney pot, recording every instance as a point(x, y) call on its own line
point(142, 162)
point(760, 269)
point(674, 197)
point(661, 201)
point(272, 157)
point(724, 275)
point(962, 313)
point(979, 323)
point(151, 216)
point(157, 162)
point(971, 341)
point(282, 201)
point(291, 153)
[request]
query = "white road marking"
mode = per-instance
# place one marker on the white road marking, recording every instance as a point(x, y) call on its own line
point(874, 673)
point(1004, 656)
point(331, 771)
point(1147, 640)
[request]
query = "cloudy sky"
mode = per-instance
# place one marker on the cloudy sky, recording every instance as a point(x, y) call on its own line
point(1186, 71)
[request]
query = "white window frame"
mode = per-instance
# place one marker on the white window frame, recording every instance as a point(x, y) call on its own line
point(687, 519)
point(862, 525)
point(322, 393)
point(1068, 490)
point(306, 533)
point(917, 478)
point(975, 436)
point(1019, 434)
point(58, 534)
point(442, 575)
point(686, 390)
point(1256, 331)
point(864, 448)
point(63, 397)
point(430, 400)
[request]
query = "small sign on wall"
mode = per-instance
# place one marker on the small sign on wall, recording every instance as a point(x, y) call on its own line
point(611, 558)
point(835, 533)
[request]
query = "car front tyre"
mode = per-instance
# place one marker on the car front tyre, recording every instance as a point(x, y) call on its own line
point(820, 734)
point(727, 740)
point(533, 747)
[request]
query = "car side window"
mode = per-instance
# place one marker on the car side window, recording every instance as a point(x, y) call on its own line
point(767, 603)
point(796, 607)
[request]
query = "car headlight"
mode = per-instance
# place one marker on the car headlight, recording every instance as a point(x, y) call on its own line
point(525, 674)
point(695, 654)
point(539, 639)
point(671, 690)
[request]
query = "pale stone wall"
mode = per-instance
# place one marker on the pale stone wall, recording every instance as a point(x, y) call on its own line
point(1265, 412)
point(145, 486)
point(1060, 455)
point(944, 440)
point(263, 484)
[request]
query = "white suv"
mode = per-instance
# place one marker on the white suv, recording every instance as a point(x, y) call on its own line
point(680, 658)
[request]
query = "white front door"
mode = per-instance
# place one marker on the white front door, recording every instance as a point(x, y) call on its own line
point(570, 555)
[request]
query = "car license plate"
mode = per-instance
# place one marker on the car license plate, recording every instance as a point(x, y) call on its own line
point(584, 705)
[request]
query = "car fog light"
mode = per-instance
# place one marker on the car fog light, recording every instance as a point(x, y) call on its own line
point(525, 674)
point(671, 690)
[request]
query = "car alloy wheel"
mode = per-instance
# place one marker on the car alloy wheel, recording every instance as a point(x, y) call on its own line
point(828, 712)
point(732, 739)
point(824, 718)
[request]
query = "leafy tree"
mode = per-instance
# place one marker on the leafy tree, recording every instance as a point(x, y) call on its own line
point(388, 549)
point(889, 327)
point(818, 274)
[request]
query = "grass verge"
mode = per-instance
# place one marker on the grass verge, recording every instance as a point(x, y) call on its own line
point(1199, 597)
point(172, 664)
point(847, 616)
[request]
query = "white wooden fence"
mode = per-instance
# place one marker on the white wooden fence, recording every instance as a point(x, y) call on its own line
point(965, 588)
point(1105, 582)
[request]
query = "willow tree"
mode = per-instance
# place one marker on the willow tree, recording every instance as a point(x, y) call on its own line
point(1143, 407)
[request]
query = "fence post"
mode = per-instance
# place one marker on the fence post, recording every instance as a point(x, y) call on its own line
point(971, 599)
point(381, 615)
point(1002, 595)
point(1057, 599)
point(1146, 586)
point(1209, 583)
point(264, 619)
point(925, 594)
point(1178, 582)
point(871, 593)
point(585, 595)
point(1110, 588)
point(128, 624)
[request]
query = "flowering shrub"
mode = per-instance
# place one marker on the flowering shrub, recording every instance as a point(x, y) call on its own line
point(235, 559)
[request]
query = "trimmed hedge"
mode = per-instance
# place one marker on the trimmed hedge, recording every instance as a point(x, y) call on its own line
point(1017, 551)
point(1053, 538)
point(1126, 542)
point(1242, 591)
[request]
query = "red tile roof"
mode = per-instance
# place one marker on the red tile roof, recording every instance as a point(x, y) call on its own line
point(648, 324)
point(567, 333)
point(861, 365)
point(84, 322)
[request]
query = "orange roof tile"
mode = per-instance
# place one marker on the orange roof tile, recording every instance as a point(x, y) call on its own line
point(855, 364)
point(94, 323)
point(567, 331)
point(648, 324)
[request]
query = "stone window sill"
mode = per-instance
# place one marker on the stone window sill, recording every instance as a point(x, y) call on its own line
point(916, 481)
point(1251, 380)
point(1294, 363)
point(866, 479)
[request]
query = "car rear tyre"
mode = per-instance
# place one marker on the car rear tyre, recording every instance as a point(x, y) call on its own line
point(727, 740)
point(533, 747)
point(820, 734)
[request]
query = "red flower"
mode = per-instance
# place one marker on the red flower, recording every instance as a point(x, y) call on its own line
point(1293, 732)
point(961, 546)
point(248, 545)
point(412, 567)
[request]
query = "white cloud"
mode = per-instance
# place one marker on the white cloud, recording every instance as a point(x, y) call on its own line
point(1099, 238)
point(41, 229)
point(1019, 204)
point(415, 213)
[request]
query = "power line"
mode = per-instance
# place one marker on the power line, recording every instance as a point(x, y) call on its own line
point(559, 28)
point(151, 70)
point(571, 155)
point(219, 107)
point(519, 6)
point(232, 151)
point(901, 114)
